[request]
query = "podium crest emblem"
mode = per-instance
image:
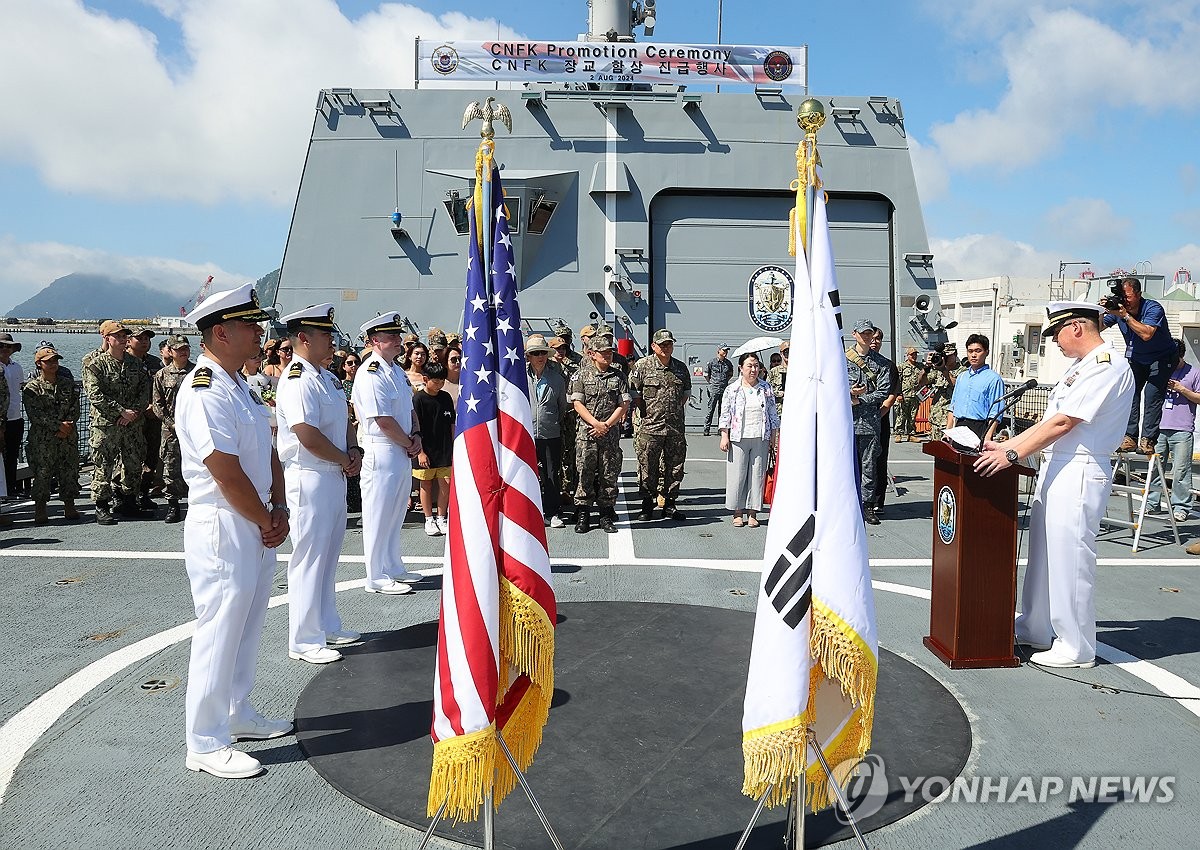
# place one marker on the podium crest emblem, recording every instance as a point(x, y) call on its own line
point(947, 515)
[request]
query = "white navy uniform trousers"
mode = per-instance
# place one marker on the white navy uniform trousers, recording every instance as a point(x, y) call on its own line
point(229, 568)
point(316, 497)
point(1058, 606)
point(382, 389)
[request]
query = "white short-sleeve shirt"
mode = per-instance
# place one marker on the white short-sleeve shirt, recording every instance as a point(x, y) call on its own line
point(216, 411)
point(308, 395)
point(15, 376)
point(1097, 389)
point(381, 389)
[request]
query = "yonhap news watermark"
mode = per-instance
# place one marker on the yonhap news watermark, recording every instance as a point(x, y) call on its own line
point(869, 787)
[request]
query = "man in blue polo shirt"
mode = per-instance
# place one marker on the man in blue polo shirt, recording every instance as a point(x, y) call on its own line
point(977, 391)
point(1150, 351)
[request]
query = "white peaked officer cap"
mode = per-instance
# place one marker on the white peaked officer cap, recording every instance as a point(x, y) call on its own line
point(388, 322)
point(318, 316)
point(1058, 312)
point(239, 304)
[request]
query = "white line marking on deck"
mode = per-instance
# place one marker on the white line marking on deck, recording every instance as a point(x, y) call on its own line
point(24, 729)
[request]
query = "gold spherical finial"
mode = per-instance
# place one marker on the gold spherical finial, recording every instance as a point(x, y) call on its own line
point(811, 116)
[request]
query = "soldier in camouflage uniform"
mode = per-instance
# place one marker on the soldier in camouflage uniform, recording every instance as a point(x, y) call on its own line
point(151, 478)
point(162, 398)
point(52, 407)
point(777, 376)
point(661, 387)
point(600, 395)
point(119, 391)
point(567, 361)
point(941, 377)
point(912, 378)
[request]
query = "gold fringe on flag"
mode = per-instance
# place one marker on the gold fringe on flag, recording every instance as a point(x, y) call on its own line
point(462, 767)
point(483, 165)
point(774, 754)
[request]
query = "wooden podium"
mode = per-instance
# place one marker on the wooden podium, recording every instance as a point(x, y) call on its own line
point(974, 592)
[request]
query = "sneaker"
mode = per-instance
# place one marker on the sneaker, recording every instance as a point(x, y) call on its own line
point(226, 763)
point(431, 527)
point(443, 524)
point(406, 576)
point(556, 522)
point(1051, 658)
point(342, 638)
point(258, 728)
point(392, 588)
point(1180, 515)
point(320, 655)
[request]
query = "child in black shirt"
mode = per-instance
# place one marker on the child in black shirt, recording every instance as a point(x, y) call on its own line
point(434, 410)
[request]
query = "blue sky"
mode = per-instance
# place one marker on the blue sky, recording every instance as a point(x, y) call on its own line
point(137, 140)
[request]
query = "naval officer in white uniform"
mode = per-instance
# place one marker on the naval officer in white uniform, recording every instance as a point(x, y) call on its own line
point(1084, 422)
point(236, 517)
point(382, 398)
point(318, 451)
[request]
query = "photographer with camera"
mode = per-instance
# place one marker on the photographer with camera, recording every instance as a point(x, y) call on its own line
point(941, 372)
point(1150, 351)
point(870, 383)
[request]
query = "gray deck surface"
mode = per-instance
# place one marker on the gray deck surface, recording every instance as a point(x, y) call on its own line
point(109, 771)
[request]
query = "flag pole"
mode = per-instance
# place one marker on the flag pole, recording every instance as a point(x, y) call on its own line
point(533, 801)
point(489, 821)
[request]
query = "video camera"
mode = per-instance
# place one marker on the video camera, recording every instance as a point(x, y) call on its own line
point(1116, 300)
point(936, 358)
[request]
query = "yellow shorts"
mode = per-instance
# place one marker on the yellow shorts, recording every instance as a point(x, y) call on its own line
point(431, 473)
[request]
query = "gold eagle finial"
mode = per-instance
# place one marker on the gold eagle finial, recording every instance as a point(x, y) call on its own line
point(489, 114)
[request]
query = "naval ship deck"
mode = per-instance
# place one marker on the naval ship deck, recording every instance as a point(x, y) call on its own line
point(96, 631)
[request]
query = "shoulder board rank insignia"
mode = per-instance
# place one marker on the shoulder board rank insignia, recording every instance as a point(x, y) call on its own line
point(1104, 358)
point(295, 371)
point(374, 367)
point(257, 398)
point(202, 378)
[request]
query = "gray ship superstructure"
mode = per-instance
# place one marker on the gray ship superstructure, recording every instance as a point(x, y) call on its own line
point(651, 206)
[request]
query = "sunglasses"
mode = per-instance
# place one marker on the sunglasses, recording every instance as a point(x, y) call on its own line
point(350, 363)
point(287, 350)
point(456, 360)
point(539, 354)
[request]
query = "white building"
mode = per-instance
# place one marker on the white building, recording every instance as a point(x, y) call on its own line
point(1010, 311)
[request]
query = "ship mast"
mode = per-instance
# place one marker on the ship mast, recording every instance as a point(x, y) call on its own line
point(614, 20)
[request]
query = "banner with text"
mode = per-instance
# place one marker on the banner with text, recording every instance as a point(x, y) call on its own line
point(612, 62)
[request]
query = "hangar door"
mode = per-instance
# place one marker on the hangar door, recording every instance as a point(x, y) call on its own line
point(705, 248)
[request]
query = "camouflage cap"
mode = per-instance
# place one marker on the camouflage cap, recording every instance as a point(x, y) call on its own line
point(601, 342)
point(411, 338)
point(178, 341)
point(46, 352)
point(110, 327)
point(143, 331)
point(438, 341)
point(663, 336)
point(586, 331)
point(556, 342)
point(562, 331)
point(785, 345)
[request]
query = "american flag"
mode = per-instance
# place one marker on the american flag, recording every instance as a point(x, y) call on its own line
point(495, 661)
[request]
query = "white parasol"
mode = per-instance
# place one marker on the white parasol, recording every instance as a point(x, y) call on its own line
point(759, 343)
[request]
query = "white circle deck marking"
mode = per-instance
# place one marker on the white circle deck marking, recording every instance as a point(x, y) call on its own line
point(24, 729)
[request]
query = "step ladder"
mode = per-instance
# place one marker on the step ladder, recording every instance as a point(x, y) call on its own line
point(1137, 484)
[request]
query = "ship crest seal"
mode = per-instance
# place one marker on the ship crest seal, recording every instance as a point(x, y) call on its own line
point(445, 60)
point(778, 65)
point(771, 295)
point(947, 515)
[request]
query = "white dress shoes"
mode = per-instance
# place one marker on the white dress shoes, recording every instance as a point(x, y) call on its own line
point(1050, 658)
point(406, 576)
point(1031, 643)
point(226, 763)
point(345, 636)
point(320, 655)
point(392, 588)
point(258, 728)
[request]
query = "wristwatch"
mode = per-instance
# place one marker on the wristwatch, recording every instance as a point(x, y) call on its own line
point(286, 510)
point(1011, 456)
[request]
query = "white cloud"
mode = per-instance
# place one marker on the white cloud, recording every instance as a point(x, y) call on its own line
point(987, 255)
point(1062, 69)
point(28, 267)
point(104, 114)
point(1183, 257)
point(1087, 223)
